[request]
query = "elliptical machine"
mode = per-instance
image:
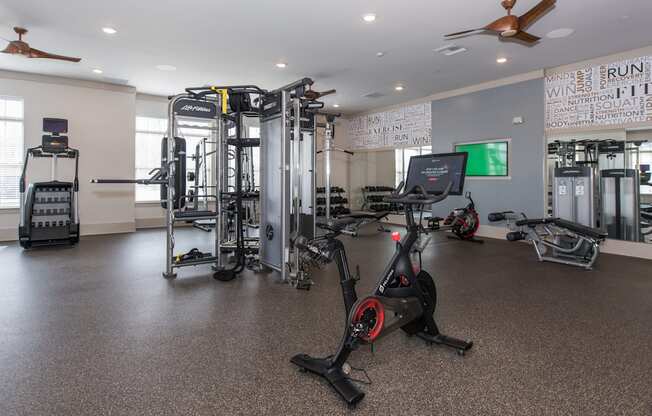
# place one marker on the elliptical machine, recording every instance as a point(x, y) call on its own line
point(405, 296)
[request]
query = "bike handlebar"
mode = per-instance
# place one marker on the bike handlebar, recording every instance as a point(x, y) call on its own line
point(417, 195)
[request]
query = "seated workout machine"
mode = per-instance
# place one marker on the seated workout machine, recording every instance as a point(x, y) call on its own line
point(555, 239)
point(49, 213)
point(462, 222)
point(405, 296)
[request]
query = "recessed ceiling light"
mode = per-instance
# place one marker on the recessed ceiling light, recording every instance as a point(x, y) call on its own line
point(369, 17)
point(97, 71)
point(166, 67)
point(560, 33)
point(399, 88)
point(281, 65)
point(501, 60)
point(109, 30)
point(380, 54)
point(336, 105)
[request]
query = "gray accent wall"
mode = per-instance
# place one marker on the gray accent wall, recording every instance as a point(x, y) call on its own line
point(488, 115)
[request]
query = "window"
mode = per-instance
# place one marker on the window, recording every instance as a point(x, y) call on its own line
point(149, 132)
point(402, 160)
point(194, 131)
point(11, 150)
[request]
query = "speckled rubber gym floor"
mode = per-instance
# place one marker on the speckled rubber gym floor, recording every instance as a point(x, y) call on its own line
point(96, 330)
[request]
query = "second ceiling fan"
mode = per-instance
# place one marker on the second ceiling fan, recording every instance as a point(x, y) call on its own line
point(511, 26)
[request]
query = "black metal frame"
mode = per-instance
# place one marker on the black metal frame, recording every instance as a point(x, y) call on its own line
point(410, 302)
point(25, 229)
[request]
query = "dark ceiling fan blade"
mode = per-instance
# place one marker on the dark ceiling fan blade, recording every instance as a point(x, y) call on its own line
point(313, 95)
point(535, 13)
point(504, 24)
point(35, 53)
point(329, 92)
point(11, 49)
point(526, 37)
point(464, 32)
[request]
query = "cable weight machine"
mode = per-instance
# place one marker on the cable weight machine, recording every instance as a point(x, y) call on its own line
point(171, 177)
point(287, 185)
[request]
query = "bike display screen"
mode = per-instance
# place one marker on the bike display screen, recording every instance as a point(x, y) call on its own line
point(434, 172)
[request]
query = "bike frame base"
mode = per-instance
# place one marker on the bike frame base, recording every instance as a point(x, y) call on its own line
point(327, 369)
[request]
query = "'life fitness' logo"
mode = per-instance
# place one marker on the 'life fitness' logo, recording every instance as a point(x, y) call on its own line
point(194, 107)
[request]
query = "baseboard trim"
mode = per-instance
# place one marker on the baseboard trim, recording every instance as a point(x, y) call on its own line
point(108, 228)
point(617, 247)
point(156, 222)
point(627, 248)
point(11, 234)
point(150, 222)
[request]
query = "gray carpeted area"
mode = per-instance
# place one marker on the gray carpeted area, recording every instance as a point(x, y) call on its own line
point(96, 330)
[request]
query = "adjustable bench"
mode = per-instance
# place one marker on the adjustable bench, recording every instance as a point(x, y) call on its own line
point(555, 239)
point(360, 219)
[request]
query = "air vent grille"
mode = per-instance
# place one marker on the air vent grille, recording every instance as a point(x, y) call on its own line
point(450, 50)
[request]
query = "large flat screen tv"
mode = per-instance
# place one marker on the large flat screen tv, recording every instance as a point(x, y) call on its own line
point(486, 159)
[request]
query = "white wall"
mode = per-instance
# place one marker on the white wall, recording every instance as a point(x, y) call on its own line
point(101, 126)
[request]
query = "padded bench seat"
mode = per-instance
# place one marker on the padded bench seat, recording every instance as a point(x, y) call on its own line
point(572, 226)
point(338, 224)
point(367, 215)
point(195, 214)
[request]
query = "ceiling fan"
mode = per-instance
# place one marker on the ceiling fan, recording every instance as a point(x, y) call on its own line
point(312, 95)
point(511, 26)
point(20, 47)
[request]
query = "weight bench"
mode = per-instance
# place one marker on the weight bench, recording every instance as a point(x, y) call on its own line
point(361, 219)
point(555, 239)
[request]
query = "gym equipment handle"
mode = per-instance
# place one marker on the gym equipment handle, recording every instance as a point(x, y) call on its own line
point(498, 216)
point(516, 236)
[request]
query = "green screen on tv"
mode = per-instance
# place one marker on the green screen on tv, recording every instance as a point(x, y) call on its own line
point(486, 159)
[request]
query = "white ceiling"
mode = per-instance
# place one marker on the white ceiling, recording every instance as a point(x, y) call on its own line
point(239, 41)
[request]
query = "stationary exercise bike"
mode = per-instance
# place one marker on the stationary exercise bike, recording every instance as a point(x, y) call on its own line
point(405, 296)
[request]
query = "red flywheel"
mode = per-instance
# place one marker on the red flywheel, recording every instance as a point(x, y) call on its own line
point(370, 311)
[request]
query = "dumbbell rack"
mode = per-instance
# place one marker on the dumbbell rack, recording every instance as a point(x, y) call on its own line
point(339, 203)
point(51, 212)
point(374, 197)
